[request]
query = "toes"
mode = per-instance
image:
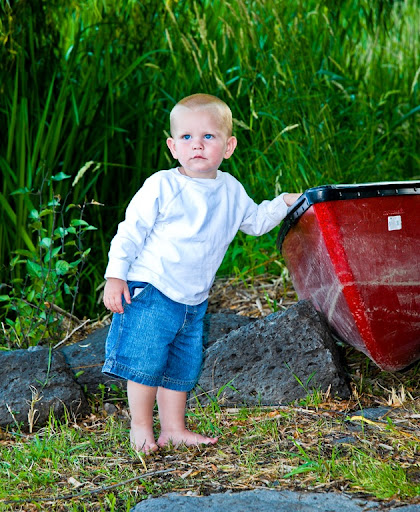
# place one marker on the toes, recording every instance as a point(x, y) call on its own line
point(152, 448)
point(186, 438)
point(145, 448)
point(206, 441)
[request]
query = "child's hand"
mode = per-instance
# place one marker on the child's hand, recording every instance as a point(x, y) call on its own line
point(289, 199)
point(113, 292)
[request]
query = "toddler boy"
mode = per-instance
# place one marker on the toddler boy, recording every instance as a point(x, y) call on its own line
point(162, 263)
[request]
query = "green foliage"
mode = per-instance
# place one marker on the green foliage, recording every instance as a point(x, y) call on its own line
point(322, 92)
point(84, 465)
point(46, 279)
point(385, 479)
point(364, 470)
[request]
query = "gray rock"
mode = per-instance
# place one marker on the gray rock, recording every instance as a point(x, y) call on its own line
point(39, 380)
point(345, 440)
point(373, 413)
point(263, 501)
point(86, 358)
point(274, 360)
point(218, 324)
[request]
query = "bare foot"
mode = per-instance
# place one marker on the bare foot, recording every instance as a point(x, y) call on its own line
point(185, 437)
point(142, 440)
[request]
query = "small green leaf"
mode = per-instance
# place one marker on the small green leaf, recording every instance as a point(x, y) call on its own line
point(52, 254)
point(78, 222)
point(60, 176)
point(86, 253)
point(61, 232)
point(62, 267)
point(36, 226)
point(34, 270)
point(4, 298)
point(46, 242)
point(34, 214)
point(24, 252)
point(46, 211)
point(72, 205)
point(23, 190)
point(17, 260)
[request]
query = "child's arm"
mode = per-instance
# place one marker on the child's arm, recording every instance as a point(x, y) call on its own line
point(260, 218)
point(289, 199)
point(139, 220)
point(114, 290)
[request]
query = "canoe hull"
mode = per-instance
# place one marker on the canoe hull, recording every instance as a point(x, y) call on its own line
point(358, 261)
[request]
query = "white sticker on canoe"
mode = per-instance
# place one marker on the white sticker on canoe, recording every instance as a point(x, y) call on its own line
point(394, 222)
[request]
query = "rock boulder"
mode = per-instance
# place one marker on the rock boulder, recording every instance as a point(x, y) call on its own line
point(35, 382)
point(274, 360)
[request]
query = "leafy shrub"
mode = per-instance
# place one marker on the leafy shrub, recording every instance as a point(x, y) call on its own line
point(44, 282)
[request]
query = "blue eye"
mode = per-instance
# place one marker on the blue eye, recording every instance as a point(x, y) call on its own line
point(186, 137)
point(208, 136)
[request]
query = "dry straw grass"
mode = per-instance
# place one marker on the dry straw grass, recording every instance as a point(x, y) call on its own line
point(252, 296)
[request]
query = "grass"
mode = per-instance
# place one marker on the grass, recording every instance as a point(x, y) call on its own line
point(319, 443)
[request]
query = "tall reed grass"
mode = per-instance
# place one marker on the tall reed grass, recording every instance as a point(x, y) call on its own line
point(321, 92)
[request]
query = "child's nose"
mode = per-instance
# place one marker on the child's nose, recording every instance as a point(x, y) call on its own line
point(197, 143)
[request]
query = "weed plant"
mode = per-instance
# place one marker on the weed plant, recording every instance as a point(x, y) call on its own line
point(321, 93)
point(43, 290)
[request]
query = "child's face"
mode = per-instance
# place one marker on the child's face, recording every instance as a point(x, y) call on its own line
point(199, 142)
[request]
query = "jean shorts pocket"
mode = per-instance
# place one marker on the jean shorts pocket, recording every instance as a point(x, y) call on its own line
point(137, 291)
point(136, 288)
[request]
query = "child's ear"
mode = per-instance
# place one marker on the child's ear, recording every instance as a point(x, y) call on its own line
point(230, 146)
point(171, 145)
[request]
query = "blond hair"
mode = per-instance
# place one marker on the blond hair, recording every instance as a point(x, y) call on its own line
point(205, 101)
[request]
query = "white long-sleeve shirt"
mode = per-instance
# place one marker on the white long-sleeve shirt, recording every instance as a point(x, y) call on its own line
point(177, 230)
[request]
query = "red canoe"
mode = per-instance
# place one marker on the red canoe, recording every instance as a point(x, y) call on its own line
point(354, 251)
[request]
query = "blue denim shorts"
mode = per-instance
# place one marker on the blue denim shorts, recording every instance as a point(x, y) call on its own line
point(156, 341)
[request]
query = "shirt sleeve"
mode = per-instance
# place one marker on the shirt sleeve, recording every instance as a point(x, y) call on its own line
point(262, 218)
point(140, 217)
